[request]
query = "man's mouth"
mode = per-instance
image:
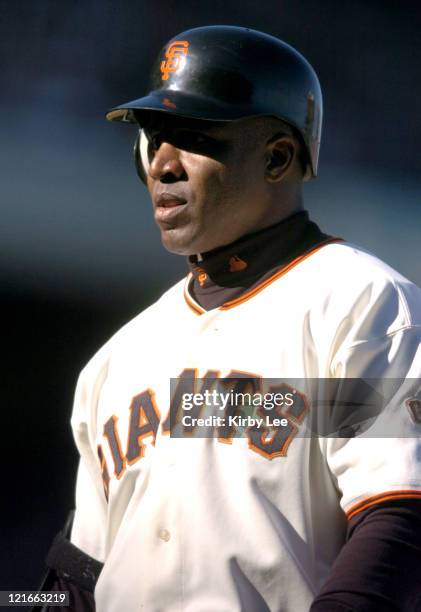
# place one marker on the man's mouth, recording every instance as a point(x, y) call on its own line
point(169, 200)
point(167, 205)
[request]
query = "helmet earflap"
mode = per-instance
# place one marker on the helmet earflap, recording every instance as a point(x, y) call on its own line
point(140, 152)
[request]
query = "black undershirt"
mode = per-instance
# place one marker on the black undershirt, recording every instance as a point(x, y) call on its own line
point(226, 273)
point(379, 567)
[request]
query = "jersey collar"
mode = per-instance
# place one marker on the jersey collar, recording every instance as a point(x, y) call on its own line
point(226, 276)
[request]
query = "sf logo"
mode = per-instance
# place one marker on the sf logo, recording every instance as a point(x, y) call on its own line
point(175, 52)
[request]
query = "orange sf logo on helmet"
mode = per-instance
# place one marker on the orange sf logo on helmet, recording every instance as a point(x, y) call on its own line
point(174, 53)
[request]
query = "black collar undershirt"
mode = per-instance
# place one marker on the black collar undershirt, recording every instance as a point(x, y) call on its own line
point(227, 272)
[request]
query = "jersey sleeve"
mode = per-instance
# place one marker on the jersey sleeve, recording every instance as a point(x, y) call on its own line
point(90, 521)
point(89, 526)
point(381, 461)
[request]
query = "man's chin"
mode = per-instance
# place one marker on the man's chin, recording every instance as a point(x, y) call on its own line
point(184, 243)
point(178, 245)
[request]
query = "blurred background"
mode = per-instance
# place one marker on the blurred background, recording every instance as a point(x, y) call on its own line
point(79, 251)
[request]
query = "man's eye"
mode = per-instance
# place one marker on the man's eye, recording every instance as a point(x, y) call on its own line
point(187, 140)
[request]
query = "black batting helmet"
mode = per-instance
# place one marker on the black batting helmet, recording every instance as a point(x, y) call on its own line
point(223, 73)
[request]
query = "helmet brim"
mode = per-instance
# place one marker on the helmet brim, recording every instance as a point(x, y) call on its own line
point(180, 104)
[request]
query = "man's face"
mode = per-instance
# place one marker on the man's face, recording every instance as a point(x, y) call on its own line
point(206, 181)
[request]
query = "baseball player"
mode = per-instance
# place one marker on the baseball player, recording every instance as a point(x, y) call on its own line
point(261, 515)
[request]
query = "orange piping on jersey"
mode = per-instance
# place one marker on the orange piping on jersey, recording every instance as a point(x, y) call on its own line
point(104, 472)
point(382, 497)
point(243, 375)
point(249, 294)
point(279, 453)
point(195, 307)
point(166, 424)
point(143, 420)
point(122, 456)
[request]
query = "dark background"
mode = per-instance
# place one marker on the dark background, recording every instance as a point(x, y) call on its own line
point(79, 254)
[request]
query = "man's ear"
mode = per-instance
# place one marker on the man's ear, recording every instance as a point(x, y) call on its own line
point(280, 153)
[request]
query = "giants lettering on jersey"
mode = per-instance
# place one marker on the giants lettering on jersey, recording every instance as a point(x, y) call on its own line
point(144, 420)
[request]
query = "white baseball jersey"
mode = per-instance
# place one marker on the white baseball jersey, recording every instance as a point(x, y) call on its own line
point(251, 523)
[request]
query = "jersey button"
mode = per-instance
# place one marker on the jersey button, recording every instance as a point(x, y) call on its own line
point(164, 534)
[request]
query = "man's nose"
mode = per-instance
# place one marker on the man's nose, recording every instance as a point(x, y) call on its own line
point(166, 165)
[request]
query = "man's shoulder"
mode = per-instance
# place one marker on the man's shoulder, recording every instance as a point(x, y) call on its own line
point(347, 266)
point(342, 284)
point(342, 257)
point(139, 329)
point(353, 282)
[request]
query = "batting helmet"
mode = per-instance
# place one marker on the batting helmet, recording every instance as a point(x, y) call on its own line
point(223, 73)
